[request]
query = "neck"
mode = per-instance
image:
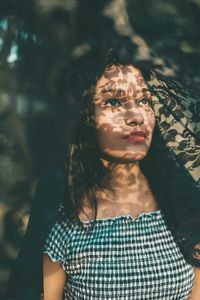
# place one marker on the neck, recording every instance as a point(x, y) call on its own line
point(124, 181)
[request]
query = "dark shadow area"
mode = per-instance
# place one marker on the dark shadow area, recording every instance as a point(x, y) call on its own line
point(42, 45)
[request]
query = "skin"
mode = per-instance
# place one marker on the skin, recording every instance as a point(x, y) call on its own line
point(54, 279)
point(195, 295)
point(122, 104)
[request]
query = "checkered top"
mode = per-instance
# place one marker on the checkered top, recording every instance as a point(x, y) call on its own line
point(120, 258)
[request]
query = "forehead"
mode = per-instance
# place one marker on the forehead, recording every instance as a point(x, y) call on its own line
point(120, 76)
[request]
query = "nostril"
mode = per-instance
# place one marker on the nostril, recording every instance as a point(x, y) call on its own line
point(134, 118)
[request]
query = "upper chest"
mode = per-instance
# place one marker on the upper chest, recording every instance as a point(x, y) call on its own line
point(133, 206)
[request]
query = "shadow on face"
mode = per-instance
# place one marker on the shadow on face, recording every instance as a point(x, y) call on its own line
point(124, 116)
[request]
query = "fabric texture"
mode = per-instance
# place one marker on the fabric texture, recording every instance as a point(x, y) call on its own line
point(177, 113)
point(120, 258)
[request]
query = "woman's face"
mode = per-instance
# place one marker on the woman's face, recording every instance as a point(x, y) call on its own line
point(123, 114)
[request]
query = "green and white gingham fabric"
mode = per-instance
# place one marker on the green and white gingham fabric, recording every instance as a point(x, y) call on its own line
point(120, 258)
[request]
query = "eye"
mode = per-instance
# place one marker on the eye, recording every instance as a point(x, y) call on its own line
point(113, 102)
point(145, 101)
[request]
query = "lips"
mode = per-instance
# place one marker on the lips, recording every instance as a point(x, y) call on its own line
point(136, 136)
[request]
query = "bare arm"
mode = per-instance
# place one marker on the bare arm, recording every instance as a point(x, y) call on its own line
point(196, 289)
point(54, 279)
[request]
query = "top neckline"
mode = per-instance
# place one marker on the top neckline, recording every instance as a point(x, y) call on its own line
point(128, 216)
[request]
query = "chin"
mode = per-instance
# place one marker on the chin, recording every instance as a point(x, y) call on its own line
point(124, 158)
point(130, 157)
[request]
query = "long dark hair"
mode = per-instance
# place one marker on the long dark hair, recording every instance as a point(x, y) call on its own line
point(170, 182)
point(85, 169)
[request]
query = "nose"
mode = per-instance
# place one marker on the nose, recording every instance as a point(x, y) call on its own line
point(134, 117)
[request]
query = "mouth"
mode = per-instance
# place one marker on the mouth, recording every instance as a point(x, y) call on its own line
point(136, 136)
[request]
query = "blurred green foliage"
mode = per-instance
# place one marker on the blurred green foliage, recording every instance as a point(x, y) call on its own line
point(39, 41)
point(171, 29)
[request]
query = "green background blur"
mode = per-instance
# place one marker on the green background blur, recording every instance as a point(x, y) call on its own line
point(38, 39)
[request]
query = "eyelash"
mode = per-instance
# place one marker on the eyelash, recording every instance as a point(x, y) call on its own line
point(113, 99)
point(149, 102)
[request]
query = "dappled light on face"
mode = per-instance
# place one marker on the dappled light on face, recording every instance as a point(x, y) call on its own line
point(123, 114)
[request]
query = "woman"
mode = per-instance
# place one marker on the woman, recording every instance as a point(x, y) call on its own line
point(114, 238)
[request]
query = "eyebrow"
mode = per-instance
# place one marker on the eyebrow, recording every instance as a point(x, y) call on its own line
point(111, 90)
point(107, 90)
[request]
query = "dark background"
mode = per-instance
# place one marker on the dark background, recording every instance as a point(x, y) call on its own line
point(40, 40)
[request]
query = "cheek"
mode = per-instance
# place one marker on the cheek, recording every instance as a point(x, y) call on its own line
point(108, 119)
point(108, 129)
point(106, 137)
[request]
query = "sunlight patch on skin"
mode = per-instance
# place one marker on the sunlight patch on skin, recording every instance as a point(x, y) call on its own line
point(126, 85)
point(122, 105)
